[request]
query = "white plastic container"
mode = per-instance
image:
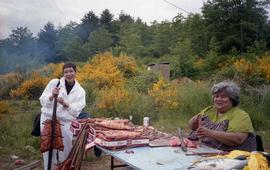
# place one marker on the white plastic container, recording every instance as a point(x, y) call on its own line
point(146, 121)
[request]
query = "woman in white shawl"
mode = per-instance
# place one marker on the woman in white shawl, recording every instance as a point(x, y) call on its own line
point(71, 101)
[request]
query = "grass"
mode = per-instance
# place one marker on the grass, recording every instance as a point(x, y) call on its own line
point(16, 124)
point(15, 128)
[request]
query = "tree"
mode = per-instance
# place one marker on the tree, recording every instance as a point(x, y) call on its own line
point(20, 36)
point(185, 58)
point(106, 19)
point(194, 29)
point(69, 45)
point(125, 18)
point(99, 41)
point(130, 40)
point(18, 51)
point(163, 38)
point(90, 23)
point(235, 23)
point(47, 38)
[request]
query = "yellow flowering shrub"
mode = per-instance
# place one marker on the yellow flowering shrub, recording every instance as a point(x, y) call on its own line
point(110, 98)
point(200, 63)
point(226, 64)
point(52, 70)
point(4, 107)
point(127, 65)
point(105, 75)
point(107, 71)
point(31, 88)
point(264, 66)
point(164, 94)
point(243, 66)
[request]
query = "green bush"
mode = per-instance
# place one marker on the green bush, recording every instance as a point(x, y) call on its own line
point(143, 81)
point(193, 97)
point(256, 102)
point(9, 81)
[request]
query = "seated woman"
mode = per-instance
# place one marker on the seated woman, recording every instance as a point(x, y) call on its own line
point(224, 125)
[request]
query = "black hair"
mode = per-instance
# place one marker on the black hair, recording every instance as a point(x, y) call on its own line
point(68, 65)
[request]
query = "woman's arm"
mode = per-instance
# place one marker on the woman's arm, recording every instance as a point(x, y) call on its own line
point(45, 98)
point(227, 138)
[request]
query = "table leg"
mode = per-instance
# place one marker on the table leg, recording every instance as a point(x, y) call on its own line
point(116, 166)
point(112, 160)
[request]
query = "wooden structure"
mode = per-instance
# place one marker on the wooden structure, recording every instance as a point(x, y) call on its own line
point(162, 68)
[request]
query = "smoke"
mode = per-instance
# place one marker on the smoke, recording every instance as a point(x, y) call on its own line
point(24, 57)
point(19, 60)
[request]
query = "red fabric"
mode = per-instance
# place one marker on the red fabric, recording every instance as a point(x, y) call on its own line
point(45, 140)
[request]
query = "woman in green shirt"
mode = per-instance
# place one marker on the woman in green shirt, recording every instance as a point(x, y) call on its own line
point(224, 126)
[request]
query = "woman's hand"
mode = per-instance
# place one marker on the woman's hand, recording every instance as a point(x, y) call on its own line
point(55, 92)
point(194, 122)
point(203, 132)
point(62, 102)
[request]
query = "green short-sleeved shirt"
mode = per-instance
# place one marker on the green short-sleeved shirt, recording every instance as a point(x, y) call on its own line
point(239, 120)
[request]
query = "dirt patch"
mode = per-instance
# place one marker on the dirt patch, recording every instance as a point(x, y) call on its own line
point(101, 163)
point(90, 162)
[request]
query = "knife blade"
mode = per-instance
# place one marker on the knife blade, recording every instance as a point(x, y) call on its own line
point(183, 145)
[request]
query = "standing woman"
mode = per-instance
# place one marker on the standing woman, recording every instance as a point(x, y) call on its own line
point(70, 102)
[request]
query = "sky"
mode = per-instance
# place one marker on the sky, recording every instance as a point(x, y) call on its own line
point(34, 14)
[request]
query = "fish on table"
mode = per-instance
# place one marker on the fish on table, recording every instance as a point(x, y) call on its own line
point(218, 164)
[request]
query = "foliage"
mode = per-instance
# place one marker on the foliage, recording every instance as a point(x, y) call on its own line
point(4, 107)
point(264, 65)
point(258, 47)
point(99, 41)
point(185, 58)
point(47, 38)
point(111, 99)
point(192, 97)
point(143, 81)
point(107, 71)
point(256, 102)
point(127, 65)
point(9, 81)
point(52, 70)
point(31, 88)
point(130, 40)
point(106, 18)
point(233, 23)
point(164, 94)
point(18, 52)
point(103, 71)
point(69, 46)
point(90, 22)
point(243, 67)
point(162, 39)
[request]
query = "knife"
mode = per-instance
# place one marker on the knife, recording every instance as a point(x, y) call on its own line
point(183, 145)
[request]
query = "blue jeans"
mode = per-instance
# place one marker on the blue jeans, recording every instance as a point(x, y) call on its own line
point(83, 115)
